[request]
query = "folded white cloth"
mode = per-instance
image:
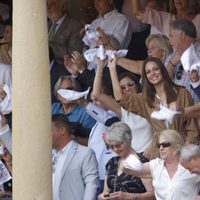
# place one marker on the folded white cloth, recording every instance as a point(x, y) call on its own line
point(91, 54)
point(189, 59)
point(164, 114)
point(71, 95)
point(91, 35)
point(4, 174)
point(6, 105)
point(132, 162)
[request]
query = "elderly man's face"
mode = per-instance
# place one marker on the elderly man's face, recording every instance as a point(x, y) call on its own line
point(55, 9)
point(175, 39)
point(103, 6)
point(193, 165)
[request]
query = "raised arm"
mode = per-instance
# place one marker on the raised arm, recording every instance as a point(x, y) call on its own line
point(114, 78)
point(134, 66)
point(144, 172)
point(97, 86)
point(109, 103)
point(136, 7)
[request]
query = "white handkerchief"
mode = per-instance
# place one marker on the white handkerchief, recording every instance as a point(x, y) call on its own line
point(4, 174)
point(190, 60)
point(91, 54)
point(132, 162)
point(5, 105)
point(164, 114)
point(101, 53)
point(119, 53)
point(71, 95)
point(91, 35)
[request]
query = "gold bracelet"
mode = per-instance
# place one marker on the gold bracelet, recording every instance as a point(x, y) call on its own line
point(99, 75)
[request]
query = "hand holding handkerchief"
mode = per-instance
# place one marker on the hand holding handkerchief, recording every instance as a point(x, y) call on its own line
point(132, 162)
point(91, 54)
point(164, 114)
point(189, 59)
point(71, 95)
point(91, 35)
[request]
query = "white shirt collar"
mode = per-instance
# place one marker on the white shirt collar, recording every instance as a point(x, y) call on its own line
point(61, 19)
point(107, 15)
point(57, 153)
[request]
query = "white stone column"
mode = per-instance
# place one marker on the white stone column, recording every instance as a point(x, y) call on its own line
point(31, 102)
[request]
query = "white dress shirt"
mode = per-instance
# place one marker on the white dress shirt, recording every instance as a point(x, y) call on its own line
point(58, 162)
point(182, 186)
point(96, 141)
point(116, 26)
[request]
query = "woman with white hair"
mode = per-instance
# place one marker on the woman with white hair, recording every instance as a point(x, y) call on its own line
point(119, 185)
point(171, 180)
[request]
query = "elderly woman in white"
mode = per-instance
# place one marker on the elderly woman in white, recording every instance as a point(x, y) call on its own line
point(171, 181)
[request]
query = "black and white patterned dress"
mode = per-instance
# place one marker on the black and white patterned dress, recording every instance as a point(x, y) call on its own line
point(123, 182)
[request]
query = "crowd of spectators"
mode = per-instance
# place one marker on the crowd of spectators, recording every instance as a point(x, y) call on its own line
point(108, 105)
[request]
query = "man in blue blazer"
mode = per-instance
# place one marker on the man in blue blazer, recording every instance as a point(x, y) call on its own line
point(75, 170)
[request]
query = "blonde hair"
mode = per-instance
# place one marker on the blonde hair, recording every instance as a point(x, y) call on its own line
point(162, 42)
point(174, 138)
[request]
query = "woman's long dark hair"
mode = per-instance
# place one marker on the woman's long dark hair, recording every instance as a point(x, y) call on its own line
point(149, 90)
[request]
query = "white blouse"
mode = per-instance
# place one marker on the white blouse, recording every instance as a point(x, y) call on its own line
point(182, 186)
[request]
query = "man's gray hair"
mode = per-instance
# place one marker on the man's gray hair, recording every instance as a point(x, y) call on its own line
point(189, 151)
point(119, 132)
point(186, 26)
point(75, 83)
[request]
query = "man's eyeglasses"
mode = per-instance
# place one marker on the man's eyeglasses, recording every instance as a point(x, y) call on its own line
point(179, 73)
point(164, 144)
point(129, 84)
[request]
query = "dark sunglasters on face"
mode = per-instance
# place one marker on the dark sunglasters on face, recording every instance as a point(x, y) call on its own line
point(164, 144)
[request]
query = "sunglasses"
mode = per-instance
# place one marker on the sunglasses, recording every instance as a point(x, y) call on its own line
point(179, 73)
point(69, 88)
point(115, 146)
point(164, 144)
point(129, 84)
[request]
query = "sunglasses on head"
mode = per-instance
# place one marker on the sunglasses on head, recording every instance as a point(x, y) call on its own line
point(164, 144)
point(129, 84)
